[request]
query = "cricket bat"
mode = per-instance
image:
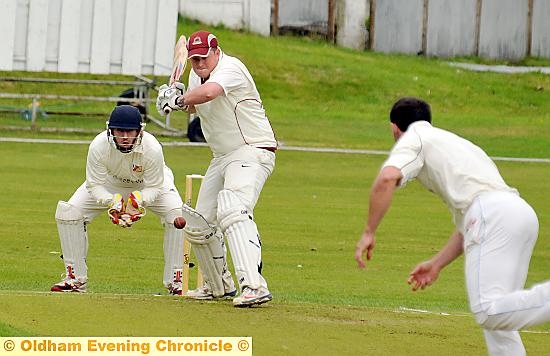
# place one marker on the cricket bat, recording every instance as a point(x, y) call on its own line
point(179, 63)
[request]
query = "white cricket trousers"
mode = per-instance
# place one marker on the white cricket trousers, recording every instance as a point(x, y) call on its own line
point(243, 171)
point(500, 232)
point(166, 206)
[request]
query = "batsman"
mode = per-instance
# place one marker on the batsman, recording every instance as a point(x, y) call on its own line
point(235, 126)
point(125, 175)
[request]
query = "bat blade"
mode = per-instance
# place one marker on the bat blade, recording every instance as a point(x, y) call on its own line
point(180, 59)
point(179, 63)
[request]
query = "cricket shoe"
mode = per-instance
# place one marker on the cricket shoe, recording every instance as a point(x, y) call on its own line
point(205, 293)
point(70, 285)
point(250, 297)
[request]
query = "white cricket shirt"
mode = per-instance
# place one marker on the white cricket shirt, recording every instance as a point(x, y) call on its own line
point(237, 118)
point(446, 164)
point(142, 169)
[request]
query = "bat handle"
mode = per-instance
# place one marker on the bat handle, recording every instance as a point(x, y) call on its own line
point(167, 109)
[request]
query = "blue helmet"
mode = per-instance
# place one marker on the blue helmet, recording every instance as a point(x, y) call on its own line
point(124, 117)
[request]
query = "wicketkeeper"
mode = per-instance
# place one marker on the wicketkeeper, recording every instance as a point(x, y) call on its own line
point(125, 176)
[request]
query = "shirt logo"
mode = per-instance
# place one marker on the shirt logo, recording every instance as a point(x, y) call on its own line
point(137, 169)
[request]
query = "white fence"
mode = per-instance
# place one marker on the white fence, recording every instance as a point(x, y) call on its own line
point(252, 15)
point(496, 29)
point(131, 37)
point(136, 36)
point(302, 13)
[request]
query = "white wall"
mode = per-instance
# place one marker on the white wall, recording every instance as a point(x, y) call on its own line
point(251, 15)
point(398, 26)
point(351, 23)
point(503, 32)
point(88, 36)
point(303, 12)
point(541, 29)
point(451, 28)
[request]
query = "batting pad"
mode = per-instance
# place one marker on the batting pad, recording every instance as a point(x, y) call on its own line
point(210, 252)
point(194, 220)
point(244, 241)
point(173, 253)
point(73, 237)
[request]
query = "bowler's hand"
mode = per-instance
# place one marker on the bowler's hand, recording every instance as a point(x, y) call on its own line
point(364, 246)
point(423, 275)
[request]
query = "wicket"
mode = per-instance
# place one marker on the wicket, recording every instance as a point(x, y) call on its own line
point(186, 245)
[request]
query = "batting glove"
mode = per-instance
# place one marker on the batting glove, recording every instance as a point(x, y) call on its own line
point(116, 208)
point(168, 96)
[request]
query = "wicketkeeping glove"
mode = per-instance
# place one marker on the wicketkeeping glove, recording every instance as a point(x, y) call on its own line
point(167, 97)
point(116, 208)
point(134, 206)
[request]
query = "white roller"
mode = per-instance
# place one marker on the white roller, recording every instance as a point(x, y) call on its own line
point(73, 237)
point(243, 238)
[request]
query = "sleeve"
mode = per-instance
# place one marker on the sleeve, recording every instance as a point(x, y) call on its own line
point(153, 175)
point(407, 155)
point(193, 81)
point(229, 78)
point(96, 175)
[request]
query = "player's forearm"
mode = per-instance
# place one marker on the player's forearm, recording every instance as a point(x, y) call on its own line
point(153, 177)
point(200, 95)
point(96, 175)
point(380, 201)
point(150, 194)
point(96, 188)
point(381, 196)
point(99, 193)
point(153, 184)
point(450, 251)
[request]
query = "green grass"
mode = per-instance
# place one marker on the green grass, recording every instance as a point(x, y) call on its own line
point(316, 94)
point(310, 214)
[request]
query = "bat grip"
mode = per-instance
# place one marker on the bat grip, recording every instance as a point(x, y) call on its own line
point(167, 109)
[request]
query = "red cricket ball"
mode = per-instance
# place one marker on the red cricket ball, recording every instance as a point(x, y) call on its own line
point(179, 222)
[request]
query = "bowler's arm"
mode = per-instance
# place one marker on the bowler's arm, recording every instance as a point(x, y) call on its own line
point(379, 203)
point(426, 273)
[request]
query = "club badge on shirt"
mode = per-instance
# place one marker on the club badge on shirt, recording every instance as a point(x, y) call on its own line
point(137, 169)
